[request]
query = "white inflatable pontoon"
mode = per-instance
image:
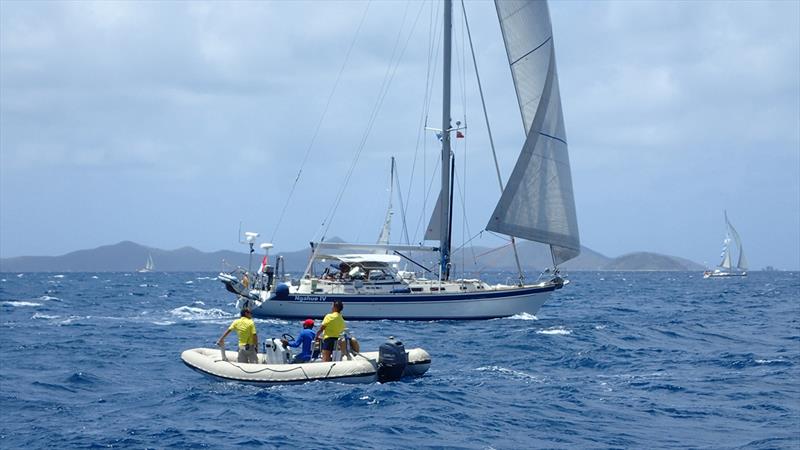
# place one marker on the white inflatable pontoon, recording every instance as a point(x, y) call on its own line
point(390, 363)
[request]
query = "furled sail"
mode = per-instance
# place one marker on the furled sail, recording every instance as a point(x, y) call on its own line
point(537, 203)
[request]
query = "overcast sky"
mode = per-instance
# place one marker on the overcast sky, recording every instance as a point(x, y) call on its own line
point(169, 123)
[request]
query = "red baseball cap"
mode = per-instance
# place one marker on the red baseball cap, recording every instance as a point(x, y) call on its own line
point(308, 323)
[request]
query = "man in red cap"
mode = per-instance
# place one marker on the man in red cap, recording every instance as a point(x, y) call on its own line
point(305, 338)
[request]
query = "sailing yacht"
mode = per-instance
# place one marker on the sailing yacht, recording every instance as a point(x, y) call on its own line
point(148, 266)
point(726, 268)
point(536, 203)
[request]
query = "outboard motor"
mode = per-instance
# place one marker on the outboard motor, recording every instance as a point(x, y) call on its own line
point(276, 353)
point(392, 360)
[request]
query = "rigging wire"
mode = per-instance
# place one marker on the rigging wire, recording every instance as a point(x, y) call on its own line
point(388, 77)
point(404, 229)
point(491, 139)
point(462, 62)
point(465, 222)
point(432, 64)
point(321, 120)
point(422, 214)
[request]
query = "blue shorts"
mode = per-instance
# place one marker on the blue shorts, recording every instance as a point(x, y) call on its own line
point(329, 343)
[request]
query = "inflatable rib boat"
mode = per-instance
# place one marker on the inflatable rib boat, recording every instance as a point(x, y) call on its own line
point(391, 362)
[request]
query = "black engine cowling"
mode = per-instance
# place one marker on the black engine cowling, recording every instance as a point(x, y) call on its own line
point(392, 360)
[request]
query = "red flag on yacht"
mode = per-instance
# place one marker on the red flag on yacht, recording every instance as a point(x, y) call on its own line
point(264, 263)
point(459, 135)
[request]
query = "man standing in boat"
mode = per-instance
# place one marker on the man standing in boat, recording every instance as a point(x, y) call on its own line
point(304, 339)
point(248, 338)
point(332, 326)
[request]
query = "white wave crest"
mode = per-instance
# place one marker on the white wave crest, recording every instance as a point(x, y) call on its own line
point(194, 313)
point(163, 322)
point(71, 319)
point(523, 316)
point(556, 330)
point(43, 316)
point(58, 276)
point(22, 304)
point(47, 297)
point(189, 282)
point(369, 400)
point(770, 361)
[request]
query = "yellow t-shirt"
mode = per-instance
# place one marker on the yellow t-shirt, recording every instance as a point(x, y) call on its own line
point(245, 329)
point(334, 325)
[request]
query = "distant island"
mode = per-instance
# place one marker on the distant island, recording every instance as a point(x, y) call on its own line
point(129, 256)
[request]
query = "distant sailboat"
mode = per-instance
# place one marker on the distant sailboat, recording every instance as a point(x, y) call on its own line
point(726, 268)
point(148, 266)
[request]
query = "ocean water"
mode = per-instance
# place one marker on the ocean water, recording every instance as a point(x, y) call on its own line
point(622, 360)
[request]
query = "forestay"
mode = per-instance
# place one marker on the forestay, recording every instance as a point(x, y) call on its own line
point(537, 203)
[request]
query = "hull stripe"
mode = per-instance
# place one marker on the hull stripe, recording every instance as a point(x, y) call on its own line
point(413, 298)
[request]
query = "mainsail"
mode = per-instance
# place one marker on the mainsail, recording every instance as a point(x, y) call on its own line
point(537, 203)
point(742, 262)
point(434, 230)
point(726, 253)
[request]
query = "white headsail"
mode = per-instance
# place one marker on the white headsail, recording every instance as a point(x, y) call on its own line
point(537, 203)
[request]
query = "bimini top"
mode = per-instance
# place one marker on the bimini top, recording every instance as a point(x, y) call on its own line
point(363, 258)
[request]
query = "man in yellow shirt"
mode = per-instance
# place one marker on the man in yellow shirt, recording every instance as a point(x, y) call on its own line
point(248, 338)
point(332, 326)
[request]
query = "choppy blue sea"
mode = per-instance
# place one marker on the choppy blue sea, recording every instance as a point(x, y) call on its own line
point(623, 360)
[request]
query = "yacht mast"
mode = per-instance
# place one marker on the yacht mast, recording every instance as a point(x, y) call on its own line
point(446, 166)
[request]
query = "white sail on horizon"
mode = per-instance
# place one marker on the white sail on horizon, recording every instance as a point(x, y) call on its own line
point(741, 264)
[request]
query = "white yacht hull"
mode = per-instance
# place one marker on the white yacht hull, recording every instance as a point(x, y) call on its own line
point(442, 306)
point(724, 274)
